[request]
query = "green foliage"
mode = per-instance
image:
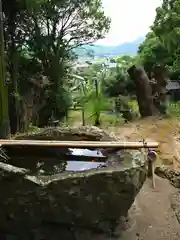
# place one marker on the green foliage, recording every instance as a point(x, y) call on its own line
point(40, 37)
point(153, 52)
point(33, 129)
point(91, 95)
point(115, 84)
point(174, 109)
point(112, 120)
point(166, 24)
point(102, 82)
point(75, 117)
point(96, 103)
point(117, 80)
point(125, 62)
point(162, 44)
point(81, 22)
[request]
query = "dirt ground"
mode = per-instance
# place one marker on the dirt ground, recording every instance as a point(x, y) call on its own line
point(152, 216)
point(165, 131)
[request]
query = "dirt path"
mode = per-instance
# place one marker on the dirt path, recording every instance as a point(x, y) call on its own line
point(152, 216)
point(165, 131)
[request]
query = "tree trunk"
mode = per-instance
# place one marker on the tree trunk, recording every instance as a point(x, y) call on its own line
point(15, 101)
point(143, 90)
point(161, 77)
point(97, 121)
point(83, 116)
point(4, 117)
point(97, 113)
point(14, 110)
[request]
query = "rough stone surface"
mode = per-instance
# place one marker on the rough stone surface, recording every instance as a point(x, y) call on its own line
point(170, 174)
point(68, 133)
point(174, 179)
point(68, 206)
point(175, 204)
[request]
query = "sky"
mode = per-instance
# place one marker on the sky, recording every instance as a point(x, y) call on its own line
point(130, 19)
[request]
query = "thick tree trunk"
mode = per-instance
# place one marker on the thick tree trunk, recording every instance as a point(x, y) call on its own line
point(143, 90)
point(4, 117)
point(161, 77)
point(14, 110)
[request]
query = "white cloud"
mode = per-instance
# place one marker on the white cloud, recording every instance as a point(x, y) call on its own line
point(130, 19)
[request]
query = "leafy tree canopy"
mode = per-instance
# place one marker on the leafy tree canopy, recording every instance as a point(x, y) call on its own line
point(44, 33)
point(162, 44)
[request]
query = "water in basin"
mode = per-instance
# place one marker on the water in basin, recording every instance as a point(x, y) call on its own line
point(82, 166)
point(86, 152)
point(84, 159)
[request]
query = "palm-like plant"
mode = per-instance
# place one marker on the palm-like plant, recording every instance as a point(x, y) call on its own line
point(95, 100)
point(79, 90)
point(91, 93)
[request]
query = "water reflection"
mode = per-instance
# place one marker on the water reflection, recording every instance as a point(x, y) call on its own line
point(86, 152)
point(82, 166)
point(81, 160)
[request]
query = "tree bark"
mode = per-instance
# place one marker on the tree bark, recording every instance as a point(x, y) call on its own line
point(4, 117)
point(143, 90)
point(14, 101)
point(161, 77)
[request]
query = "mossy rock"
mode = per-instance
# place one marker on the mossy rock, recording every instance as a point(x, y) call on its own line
point(75, 203)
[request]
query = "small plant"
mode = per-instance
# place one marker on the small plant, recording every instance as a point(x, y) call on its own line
point(174, 109)
point(112, 120)
point(32, 128)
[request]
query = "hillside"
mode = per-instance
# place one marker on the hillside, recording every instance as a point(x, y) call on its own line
point(102, 51)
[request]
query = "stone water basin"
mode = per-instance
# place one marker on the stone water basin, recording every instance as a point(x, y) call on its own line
point(84, 197)
point(75, 165)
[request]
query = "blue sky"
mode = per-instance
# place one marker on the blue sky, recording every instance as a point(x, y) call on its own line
point(130, 19)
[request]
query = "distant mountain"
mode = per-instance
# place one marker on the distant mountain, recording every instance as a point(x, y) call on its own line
point(101, 51)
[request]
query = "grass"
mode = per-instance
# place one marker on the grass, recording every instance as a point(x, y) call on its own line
point(75, 118)
point(134, 105)
point(75, 115)
point(107, 120)
point(174, 109)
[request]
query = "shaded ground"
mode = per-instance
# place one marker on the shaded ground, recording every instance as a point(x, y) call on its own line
point(152, 216)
